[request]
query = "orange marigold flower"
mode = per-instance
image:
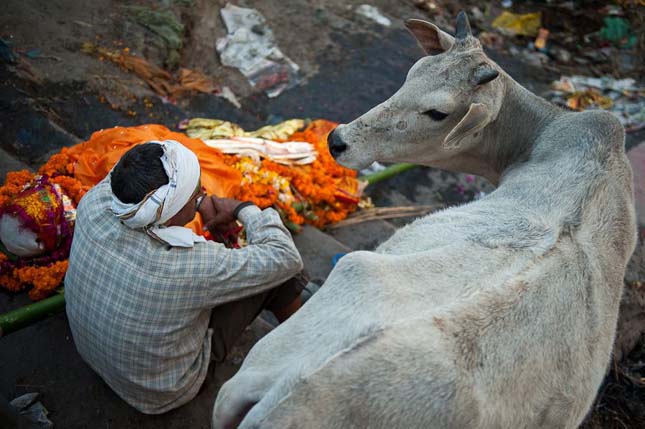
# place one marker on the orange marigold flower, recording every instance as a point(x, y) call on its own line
point(18, 178)
point(317, 184)
point(11, 283)
point(57, 164)
point(44, 279)
point(70, 186)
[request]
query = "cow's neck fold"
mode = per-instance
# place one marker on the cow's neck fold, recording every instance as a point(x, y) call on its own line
point(515, 132)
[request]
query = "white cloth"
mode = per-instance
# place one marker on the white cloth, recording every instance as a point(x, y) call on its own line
point(287, 153)
point(17, 239)
point(182, 167)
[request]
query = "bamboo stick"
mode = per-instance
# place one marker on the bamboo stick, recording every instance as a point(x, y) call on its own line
point(24, 316)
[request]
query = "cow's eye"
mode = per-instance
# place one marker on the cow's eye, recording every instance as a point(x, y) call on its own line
point(436, 115)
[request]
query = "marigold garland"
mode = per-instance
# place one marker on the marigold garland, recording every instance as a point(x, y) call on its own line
point(12, 284)
point(44, 279)
point(44, 273)
point(14, 183)
point(71, 187)
point(317, 187)
point(319, 193)
point(58, 164)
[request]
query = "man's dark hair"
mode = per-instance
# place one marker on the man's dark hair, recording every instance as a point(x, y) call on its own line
point(138, 173)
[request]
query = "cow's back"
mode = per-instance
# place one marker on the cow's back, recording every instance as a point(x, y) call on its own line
point(405, 361)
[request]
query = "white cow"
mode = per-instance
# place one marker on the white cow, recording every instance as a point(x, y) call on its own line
point(500, 313)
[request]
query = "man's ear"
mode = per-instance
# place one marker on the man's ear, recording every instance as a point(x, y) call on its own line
point(430, 37)
point(477, 118)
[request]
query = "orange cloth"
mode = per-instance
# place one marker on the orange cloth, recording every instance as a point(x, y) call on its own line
point(94, 159)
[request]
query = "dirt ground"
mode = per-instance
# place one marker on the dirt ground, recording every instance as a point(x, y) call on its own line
point(56, 95)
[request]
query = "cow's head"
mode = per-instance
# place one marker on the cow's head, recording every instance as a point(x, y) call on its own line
point(448, 98)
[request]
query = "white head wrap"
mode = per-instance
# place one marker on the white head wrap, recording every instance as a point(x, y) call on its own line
point(158, 207)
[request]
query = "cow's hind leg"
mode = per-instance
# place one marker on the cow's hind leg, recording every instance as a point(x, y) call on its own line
point(237, 397)
point(395, 377)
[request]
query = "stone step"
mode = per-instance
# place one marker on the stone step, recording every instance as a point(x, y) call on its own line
point(365, 235)
point(38, 138)
point(317, 250)
point(29, 132)
point(10, 163)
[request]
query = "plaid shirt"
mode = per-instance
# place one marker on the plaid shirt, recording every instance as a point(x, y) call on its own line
point(139, 310)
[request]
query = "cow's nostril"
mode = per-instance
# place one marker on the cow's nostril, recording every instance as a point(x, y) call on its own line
point(335, 144)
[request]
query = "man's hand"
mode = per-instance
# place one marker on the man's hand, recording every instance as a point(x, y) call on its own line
point(218, 213)
point(206, 209)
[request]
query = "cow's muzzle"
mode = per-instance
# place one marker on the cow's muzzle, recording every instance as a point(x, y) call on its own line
point(336, 144)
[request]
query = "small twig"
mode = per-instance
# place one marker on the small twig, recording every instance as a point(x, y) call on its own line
point(384, 213)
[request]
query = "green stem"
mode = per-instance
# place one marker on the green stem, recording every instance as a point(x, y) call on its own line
point(388, 173)
point(24, 316)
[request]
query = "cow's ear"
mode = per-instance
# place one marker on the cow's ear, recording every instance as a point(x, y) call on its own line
point(430, 37)
point(478, 117)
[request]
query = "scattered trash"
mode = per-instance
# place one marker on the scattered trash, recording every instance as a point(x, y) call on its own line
point(373, 168)
point(82, 23)
point(460, 189)
point(491, 40)
point(429, 6)
point(606, 82)
point(366, 203)
point(540, 41)
point(613, 9)
point(159, 80)
point(321, 16)
point(336, 258)
point(617, 30)
point(582, 100)
point(29, 407)
point(507, 3)
point(250, 47)
point(228, 94)
point(535, 58)
point(561, 55)
point(19, 65)
point(477, 14)
point(619, 96)
point(516, 24)
point(372, 12)
point(34, 53)
point(25, 400)
point(6, 52)
point(164, 24)
point(191, 80)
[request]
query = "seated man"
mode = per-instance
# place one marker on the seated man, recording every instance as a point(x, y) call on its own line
point(149, 302)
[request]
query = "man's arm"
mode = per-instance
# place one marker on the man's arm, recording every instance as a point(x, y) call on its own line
point(270, 258)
